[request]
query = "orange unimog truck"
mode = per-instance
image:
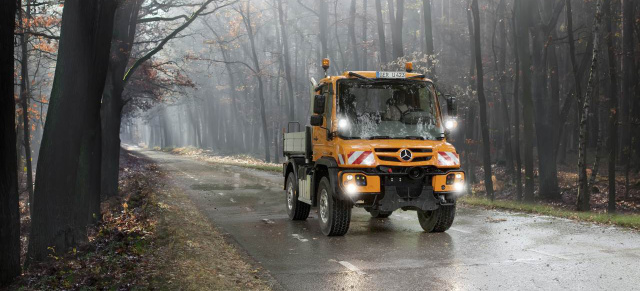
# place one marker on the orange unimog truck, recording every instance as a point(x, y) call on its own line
point(376, 140)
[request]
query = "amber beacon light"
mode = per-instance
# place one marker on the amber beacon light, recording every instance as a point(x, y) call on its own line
point(408, 66)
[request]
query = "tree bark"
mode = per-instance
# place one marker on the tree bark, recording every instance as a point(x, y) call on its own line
point(25, 95)
point(287, 62)
point(523, 16)
point(516, 114)
point(352, 35)
point(112, 100)
point(486, 140)
point(612, 142)
point(381, 39)
point(72, 118)
point(396, 27)
point(9, 214)
point(500, 60)
point(263, 115)
point(365, 57)
point(583, 203)
point(428, 34)
point(629, 83)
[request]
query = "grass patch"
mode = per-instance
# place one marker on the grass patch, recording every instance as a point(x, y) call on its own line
point(624, 220)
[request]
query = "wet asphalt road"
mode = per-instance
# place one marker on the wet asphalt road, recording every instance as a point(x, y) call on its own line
point(484, 250)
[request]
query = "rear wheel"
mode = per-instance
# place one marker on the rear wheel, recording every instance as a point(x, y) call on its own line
point(297, 210)
point(438, 220)
point(380, 214)
point(334, 214)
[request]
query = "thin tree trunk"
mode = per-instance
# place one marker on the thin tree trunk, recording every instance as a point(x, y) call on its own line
point(9, 214)
point(629, 83)
point(500, 67)
point(516, 115)
point(256, 64)
point(612, 143)
point(287, 62)
point(428, 34)
point(381, 39)
point(523, 16)
point(583, 203)
point(484, 125)
point(365, 57)
point(25, 95)
point(352, 35)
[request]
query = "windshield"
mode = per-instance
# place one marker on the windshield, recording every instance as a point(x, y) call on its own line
point(387, 109)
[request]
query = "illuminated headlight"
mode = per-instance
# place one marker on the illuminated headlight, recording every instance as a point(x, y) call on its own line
point(458, 186)
point(451, 124)
point(343, 124)
point(458, 176)
point(351, 189)
point(349, 177)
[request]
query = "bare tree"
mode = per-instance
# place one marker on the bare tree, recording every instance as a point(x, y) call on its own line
point(484, 123)
point(583, 203)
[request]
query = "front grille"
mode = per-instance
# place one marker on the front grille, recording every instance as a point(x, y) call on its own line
point(388, 159)
point(421, 150)
point(386, 150)
point(421, 159)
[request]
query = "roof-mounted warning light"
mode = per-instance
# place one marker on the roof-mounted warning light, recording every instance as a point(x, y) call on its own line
point(325, 65)
point(408, 66)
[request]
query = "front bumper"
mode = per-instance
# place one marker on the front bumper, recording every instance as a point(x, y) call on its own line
point(398, 191)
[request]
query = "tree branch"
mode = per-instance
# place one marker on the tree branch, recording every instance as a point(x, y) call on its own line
point(171, 36)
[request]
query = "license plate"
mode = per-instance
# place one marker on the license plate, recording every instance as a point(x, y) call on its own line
point(391, 75)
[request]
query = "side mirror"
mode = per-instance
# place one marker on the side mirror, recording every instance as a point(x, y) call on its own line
point(452, 106)
point(316, 120)
point(318, 104)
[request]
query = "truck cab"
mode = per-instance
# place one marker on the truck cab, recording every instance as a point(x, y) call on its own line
point(375, 140)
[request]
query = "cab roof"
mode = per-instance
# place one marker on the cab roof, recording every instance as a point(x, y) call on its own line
point(372, 75)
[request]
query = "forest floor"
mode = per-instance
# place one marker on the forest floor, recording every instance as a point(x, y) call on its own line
point(151, 237)
point(628, 208)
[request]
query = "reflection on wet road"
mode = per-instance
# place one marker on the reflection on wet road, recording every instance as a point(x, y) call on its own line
point(486, 250)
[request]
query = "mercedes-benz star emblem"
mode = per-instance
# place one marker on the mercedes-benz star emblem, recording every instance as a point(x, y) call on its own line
point(405, 155)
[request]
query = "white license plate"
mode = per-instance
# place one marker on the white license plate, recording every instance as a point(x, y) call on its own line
point(391, 75)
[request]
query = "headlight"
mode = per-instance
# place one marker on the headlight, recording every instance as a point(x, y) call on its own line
point(351, 189)
point(458, 186)
point(451, 124)
point(343, 124)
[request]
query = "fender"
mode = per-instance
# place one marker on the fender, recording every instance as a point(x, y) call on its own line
point(332, 169)
point(291, 166)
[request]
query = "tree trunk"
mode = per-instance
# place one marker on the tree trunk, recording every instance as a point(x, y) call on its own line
point(484, 125)
point(126, 17)
point(612, 142)
point(523, 17)
point(500, 61)
point(256, 64)
point(287, 62)
point(9, 214)
point(381, 39)
point(516, 115)
point(365, 57)
point(583, 203)
point(352, 35)
point(72, 118)
point(396, 27)
point(25, 95)
point(629, 83)
point(428, 34)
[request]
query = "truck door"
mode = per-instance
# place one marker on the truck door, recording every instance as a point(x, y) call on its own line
point(321, 146)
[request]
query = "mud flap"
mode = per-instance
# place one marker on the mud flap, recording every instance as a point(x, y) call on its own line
point(392, 201)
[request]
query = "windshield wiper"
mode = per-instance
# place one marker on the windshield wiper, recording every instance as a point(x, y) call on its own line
point(379, 137)
point(352, 74)
point(414, 137)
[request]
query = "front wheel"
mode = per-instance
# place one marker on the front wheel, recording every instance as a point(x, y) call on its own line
point(334, 214)
point(438, 220)
point(297, 210)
